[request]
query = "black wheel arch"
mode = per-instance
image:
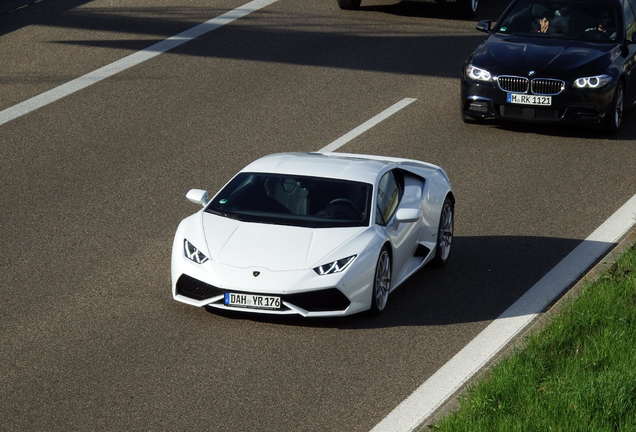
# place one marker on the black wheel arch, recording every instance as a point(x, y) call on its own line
point(451, 197)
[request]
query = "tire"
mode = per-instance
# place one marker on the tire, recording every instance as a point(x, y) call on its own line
point(381, 282)
point(467, 8)
point(349, 4)
point(614, 116)
point(444, 234)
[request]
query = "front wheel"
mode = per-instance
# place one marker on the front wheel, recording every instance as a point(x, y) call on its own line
point(444, 234)
point(614, 116)
point(381, 282)
point(349, 4)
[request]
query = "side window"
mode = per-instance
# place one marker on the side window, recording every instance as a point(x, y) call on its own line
point(630, 19)
point(388, 198)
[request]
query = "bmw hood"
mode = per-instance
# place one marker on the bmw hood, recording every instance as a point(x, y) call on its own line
point(549, 58)
point(273, 247)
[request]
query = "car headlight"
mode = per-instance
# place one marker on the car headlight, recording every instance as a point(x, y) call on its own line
point(478, 74)
point(192, 253)
point(335, 266)
point(593, 82)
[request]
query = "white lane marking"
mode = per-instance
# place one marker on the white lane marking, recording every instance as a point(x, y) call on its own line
point(127, 62)
point(429, 396)
point(354, 133)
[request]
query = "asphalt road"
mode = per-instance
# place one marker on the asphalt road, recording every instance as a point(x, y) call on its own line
point(93, 188)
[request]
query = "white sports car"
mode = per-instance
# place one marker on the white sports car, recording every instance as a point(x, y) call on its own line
point(315, 234)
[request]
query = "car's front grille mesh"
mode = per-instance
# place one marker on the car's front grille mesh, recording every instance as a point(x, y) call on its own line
point(195, 289)
point(547, 86)
point(538, 86)
point(513, 83)
point(319, 301)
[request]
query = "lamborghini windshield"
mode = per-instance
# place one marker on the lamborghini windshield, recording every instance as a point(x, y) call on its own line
point(585, 20)
point(294, 200)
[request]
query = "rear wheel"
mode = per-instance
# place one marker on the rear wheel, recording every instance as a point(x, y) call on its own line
point(444, 234)
point(381, 282)
point(349, 4)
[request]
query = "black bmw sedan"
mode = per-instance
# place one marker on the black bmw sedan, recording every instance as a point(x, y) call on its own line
point(554, 61)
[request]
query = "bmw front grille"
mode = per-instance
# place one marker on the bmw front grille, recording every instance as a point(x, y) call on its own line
point(514, 84)
point(547, 86)
point(537, 86)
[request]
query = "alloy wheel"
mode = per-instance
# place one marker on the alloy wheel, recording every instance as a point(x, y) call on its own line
point(445, 234)
point(382, 284)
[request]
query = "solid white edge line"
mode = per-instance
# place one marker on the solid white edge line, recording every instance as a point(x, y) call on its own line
point(429, 396)
point(354, 133)
point(129, 61)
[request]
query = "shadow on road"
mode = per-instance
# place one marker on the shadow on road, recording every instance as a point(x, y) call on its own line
point(432, 9)
point(15, 14)
point(580, 131)
point(345, 43)
point(485, 276)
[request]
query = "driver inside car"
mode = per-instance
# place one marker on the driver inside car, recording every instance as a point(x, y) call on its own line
point(550, 19)
point(604, 26)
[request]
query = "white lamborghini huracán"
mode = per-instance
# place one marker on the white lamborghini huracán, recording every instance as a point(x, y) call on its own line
point(314, 234)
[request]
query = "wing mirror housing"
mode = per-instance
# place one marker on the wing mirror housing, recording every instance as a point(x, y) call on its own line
point(484, 26)
point(404, 215)
point(198, 196)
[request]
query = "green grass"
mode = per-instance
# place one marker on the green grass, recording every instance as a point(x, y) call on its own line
point(576, 374)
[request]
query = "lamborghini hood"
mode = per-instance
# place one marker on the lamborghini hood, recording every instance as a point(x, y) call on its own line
point(273, 247)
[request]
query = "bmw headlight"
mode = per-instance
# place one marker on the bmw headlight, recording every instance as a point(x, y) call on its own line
point(192, 253)
point(335, 266)
point(593, 82)
point(478, 74)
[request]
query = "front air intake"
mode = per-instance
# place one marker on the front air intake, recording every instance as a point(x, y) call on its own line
point(195, 289)
point(331, 299)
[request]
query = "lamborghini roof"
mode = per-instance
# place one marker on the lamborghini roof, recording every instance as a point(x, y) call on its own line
point(330, 165)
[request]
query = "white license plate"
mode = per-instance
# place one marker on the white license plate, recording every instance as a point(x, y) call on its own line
point(251, 301)
point(525, 99)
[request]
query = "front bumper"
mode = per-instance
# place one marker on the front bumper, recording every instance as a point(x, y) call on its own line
point(321, 302)
point(302, 292)
point(486, 101)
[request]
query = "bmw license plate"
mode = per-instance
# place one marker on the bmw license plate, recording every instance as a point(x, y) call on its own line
point(526, 99)
point(251, 301)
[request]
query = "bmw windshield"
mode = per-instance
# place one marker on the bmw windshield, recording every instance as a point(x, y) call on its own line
point(584, 20)
point(294, 200)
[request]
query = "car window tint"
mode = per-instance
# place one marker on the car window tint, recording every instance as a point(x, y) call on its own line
point(294, 200)
point(588, 20)
point(388, 197)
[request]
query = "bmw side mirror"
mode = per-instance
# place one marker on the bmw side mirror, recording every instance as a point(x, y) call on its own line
point(198, 196)
point(484, 26)
point(408, 215)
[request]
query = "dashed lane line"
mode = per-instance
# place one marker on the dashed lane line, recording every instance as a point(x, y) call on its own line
point(356, 132)
point(129, 61)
